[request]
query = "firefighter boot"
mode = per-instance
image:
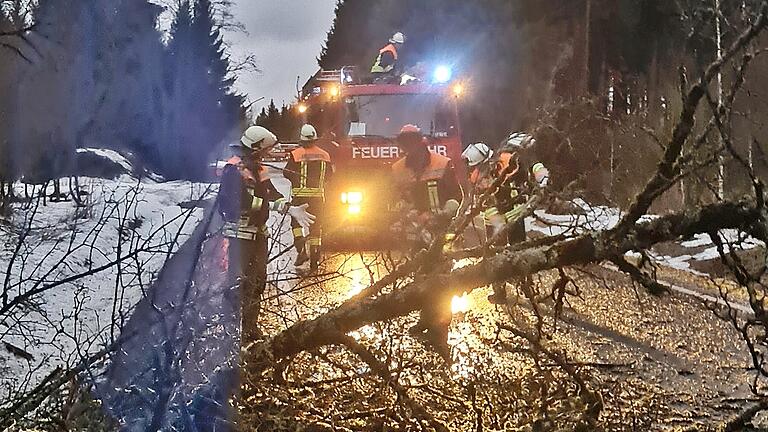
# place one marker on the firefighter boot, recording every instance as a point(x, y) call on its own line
point(434, 337)
point(302, 257)
point(314, 258)
point(499, 296)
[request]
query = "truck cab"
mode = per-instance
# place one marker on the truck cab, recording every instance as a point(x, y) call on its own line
point(359, 124)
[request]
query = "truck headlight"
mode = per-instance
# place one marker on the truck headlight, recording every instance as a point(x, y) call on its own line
point(352, 198)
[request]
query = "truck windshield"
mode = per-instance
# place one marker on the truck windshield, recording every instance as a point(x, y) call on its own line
point(384, 115)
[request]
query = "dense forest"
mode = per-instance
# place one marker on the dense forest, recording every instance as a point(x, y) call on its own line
point(583, 75)
point(285, 122)
point(99, 73)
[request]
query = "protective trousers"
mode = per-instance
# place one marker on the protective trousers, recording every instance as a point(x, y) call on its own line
point(314, 239)
point(248, 265)
point(515, 235)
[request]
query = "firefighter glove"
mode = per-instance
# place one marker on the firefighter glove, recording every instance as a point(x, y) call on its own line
point(302, 216)
point(497, 223)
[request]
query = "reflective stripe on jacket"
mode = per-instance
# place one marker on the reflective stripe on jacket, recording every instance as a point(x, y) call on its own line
point(429, 189)
point(308, 170)
point(243, 230)
point(244, 201)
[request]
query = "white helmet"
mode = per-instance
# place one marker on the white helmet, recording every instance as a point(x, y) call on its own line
point(397, 38)
point(518, 141)
point(477, 153)
point(258, 138)
point(308, 133)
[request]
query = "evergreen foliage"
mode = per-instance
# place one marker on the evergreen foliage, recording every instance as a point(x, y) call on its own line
point(284, 122)
point(603, 65)
point(99, 75)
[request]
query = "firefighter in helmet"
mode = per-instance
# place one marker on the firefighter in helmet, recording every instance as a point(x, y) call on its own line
point(430, 198)
point(246, 196)
point(385, 64)
point(309, 169)
point(478, 158)
point(523, 176)
point(479, 161)
point(427, 183)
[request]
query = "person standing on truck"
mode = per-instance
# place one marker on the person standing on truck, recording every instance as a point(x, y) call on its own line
point(309, 168)
point(385, 64)
point(523, 176)
point(246, 196)
point(430, 194)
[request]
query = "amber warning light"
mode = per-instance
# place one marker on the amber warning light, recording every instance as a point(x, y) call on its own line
point(458, 90)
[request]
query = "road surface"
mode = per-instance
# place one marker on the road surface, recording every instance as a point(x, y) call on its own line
point(667, 356)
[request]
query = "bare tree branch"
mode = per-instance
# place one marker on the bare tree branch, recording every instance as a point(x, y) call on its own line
point(588, 248)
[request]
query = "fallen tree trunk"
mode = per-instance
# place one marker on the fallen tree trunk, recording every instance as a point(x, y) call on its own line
point(585, 249)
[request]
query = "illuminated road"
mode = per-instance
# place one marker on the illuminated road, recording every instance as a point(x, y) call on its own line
point(178, 364)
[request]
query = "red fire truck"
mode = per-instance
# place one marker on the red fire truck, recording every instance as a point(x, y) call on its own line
point(359, 124)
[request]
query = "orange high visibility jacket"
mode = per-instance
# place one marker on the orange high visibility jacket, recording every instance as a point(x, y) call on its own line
point(386, 60)
point(308, 169)
point(430, 189)
point(236, 161)
point(510, 196)
point(245, 201)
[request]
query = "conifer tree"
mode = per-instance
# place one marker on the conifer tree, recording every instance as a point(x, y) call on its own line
point(204, 110)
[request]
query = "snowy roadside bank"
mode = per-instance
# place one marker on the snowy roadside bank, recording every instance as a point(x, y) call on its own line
point(697, 255)
point(71, 276)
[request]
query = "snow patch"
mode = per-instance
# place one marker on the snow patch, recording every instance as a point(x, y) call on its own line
point(67, 322)
point(698, 241)
point(109, 155)
point(601, 218)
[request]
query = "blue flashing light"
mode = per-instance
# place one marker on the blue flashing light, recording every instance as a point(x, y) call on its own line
point(442, 74)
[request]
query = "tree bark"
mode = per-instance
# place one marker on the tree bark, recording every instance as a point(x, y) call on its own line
point(585, 249)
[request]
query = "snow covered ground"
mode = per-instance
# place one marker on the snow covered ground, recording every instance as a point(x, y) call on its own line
point(77, 273)
point(597, 218)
